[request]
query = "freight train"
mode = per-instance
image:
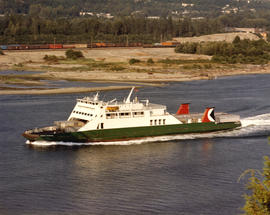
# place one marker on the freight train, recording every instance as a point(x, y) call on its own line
point(92, 45)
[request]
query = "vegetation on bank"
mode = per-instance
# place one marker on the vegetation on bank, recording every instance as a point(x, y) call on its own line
point(28, 29)
point(63, 21)
point(133, 61)
point(258, 201)
point(132, 65)
point(239, 51)
point(70, 55)
point(73, 55)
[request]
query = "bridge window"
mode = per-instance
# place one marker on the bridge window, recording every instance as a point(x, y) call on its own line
point(111, 115)
point(138, 114)
point(125, 114)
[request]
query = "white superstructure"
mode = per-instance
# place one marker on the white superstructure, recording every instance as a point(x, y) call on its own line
point(96, 114)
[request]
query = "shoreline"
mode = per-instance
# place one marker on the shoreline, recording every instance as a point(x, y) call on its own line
point(113, 68)
point(75, 90)
point(68, 90)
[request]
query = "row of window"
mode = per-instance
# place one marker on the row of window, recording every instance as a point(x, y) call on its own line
point(158, 122)
point(91, 103)
point(82, 113)
point(123, 114)
point(113, 115)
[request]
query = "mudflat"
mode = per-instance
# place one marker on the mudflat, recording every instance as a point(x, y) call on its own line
point(152, 66)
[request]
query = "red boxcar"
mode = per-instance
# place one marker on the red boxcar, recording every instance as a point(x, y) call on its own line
point(55, 46)
point(44, 46)
point(68, 46)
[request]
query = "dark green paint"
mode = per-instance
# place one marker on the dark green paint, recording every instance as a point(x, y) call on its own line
point(139, 132)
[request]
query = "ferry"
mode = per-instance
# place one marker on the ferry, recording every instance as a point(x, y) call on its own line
point(93, 120)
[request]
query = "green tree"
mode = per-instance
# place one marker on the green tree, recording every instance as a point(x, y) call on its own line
point(258, 201)
point(236, 40)
point(71, 54)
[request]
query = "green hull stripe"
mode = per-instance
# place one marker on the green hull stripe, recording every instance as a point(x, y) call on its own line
point(138, 132)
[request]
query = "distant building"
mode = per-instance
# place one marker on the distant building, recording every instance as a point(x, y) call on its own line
point(258, 31)
point(176, 12)
point(187, 5)
point(103, 15)
point(153, 17)
point(244, 30)
point(82, 13)
point(197, 18)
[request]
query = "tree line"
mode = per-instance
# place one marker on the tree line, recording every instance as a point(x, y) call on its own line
point(239, 51)
point(36, 28)
point(28, 29)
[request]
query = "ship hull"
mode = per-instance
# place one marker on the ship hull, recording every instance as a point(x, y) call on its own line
point(119, 134)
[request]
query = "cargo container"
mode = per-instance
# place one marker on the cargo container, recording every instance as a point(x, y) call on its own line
point(3, 47)
point(23, 47)
point(34, 47)
point(148, 46)
point(68, 46)
point(91, 45)
point(101, 44)
point(120, 45)
point(108, 45)
point(135, 44)
point(170, 44)
point(44, 46)
point(80, 45)
point(13, 47)
point(55, 46)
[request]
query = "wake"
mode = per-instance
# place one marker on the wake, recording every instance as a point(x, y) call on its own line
point(251, 127)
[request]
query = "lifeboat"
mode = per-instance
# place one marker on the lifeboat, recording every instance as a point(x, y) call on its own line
point(112, 108)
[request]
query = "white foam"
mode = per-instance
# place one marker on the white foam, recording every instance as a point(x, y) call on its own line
point(252, 126)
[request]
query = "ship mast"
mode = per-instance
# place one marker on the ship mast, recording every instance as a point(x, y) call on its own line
point(96, 97)
point(130, 93)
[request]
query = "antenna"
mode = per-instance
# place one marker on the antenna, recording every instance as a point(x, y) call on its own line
point(112, 100)
point(96, 97)
point(130, 93)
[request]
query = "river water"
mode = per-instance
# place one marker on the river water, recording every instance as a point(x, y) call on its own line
point(182, 174)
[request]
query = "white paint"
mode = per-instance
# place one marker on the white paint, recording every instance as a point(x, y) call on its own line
point(127, 114)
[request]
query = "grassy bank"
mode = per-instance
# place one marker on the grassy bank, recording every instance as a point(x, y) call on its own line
point(137, 66)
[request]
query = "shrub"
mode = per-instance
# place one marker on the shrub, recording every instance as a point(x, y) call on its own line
point(179, 48)
point(258, 201)
point(134, 60)
point(236, 40)
point(239, 51)
point(189, 48)
point(117, 68)
point(150, 61)
point(71, 54)
point(50, 58)
point(18, 65)
point(208, 66)
point(192, 66)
